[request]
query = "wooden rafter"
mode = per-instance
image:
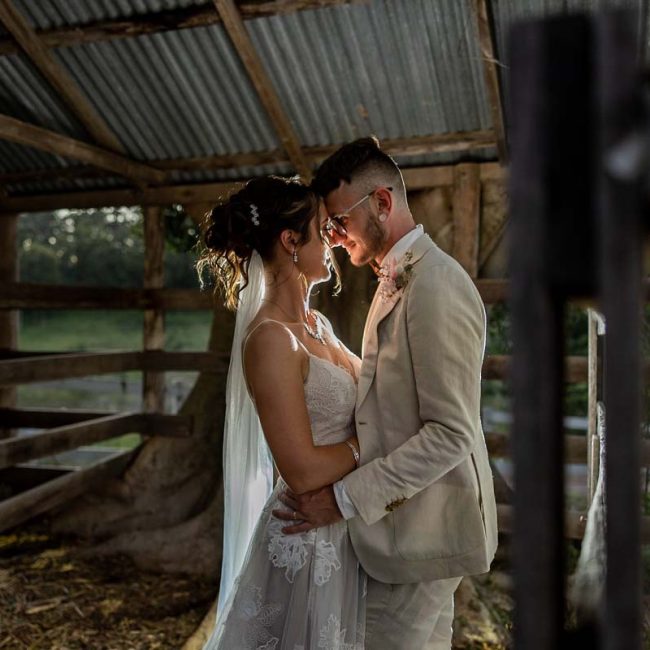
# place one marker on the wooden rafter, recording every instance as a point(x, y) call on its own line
point(416, 178)
point(163, 21)
point(491, 73)
point(57, 77)
point(243, 44)
point(34, 136)
point(467, 141)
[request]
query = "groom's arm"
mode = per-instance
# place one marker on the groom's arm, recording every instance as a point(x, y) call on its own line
point(445, 326)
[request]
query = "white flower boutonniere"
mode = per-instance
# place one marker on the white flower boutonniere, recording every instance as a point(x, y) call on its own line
point(395, 276)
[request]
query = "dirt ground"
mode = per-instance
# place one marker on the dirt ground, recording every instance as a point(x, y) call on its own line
point(52, 597)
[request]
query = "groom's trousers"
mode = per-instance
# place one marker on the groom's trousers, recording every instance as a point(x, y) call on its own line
point(416, 616)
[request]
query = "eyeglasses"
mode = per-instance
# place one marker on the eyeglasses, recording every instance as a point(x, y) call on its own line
point(334, 224)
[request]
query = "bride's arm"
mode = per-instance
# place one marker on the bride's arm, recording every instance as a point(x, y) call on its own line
point(275, 366)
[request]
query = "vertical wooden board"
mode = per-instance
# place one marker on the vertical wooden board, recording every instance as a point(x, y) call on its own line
point(493, 250)
point(154, 319)
point(466, 216)
point(8, 318)
point(621, 213)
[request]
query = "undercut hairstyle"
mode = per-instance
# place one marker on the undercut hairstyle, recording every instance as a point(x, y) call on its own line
point(361, 160)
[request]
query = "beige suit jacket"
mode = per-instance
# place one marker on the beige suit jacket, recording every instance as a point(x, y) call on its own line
point(424, 489)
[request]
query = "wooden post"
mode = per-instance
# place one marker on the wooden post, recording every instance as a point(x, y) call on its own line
point(466, 216)
point(197, 211)
point(8, 318)
point(551, 213)
point(596, 329)
point(153, 396)
point(621, 216)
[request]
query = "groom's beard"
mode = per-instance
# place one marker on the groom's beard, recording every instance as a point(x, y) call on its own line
point(374, 239)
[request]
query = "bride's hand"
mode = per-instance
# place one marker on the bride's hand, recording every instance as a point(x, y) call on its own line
point(309, 510)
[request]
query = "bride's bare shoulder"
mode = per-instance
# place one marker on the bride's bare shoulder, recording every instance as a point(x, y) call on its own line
point(269, 342)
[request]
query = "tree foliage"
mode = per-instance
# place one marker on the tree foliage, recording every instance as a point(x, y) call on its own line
point(102, 247)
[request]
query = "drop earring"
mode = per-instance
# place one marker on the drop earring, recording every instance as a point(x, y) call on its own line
point(295, 256)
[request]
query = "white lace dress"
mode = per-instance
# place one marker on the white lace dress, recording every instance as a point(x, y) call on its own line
point(306, 591)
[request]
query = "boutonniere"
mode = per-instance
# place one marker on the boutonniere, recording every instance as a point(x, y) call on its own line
point(395, 276)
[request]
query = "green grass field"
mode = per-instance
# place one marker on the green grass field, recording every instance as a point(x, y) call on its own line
point(66, 331)
point(109, 330)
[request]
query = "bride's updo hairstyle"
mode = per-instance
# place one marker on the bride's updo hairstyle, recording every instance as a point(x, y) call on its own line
point(252, 220)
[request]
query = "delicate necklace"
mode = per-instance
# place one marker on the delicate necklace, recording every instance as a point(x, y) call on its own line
point(315, 332)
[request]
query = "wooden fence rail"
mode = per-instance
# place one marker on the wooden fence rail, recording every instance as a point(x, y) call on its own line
point(23, 295)
point(53, 493)
point(25, 370)
point(70, 436)
point(575, 448)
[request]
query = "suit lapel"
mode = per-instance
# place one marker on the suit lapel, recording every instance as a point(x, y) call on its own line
point(380, 308)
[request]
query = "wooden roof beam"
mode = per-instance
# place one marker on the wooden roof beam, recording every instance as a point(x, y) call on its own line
point(467, 141)
point(163, 21)
point(34, 136)
point(416, 178)
point(491, 73)
point(57, 77)
point(243, 44)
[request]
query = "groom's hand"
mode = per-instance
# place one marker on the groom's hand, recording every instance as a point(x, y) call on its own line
point(309, 510)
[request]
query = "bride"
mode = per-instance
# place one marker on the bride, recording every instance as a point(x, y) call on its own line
point(291, 391)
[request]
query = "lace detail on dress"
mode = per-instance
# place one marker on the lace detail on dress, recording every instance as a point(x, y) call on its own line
point(331, 393)
point(258, 618)
point(332, 637)
point(288, 551)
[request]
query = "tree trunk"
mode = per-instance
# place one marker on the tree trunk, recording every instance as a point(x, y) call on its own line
point(166, 512)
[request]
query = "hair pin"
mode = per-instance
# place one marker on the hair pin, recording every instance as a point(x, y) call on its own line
point(255, 215)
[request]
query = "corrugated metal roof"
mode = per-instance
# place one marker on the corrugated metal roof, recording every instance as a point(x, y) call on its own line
point(48, 14)
point(395, 69)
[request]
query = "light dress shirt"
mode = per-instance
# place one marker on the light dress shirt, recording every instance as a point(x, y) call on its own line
point(399, 249)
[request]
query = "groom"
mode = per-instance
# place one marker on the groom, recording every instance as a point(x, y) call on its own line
point(420, 507)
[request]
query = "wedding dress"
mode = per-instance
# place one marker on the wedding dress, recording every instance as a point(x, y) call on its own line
point(305, 591)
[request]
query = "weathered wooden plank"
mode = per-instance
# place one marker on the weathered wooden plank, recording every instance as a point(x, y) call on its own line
point(60, 145)
point(164, 21)
point(575, 448)
point(466, 216)
point(17, 295)
point(416, 178)
point(38, 418)
point(23, 448)
point(58, 78)
point(162, 424)
point(498, 367)
point(164, 195)
point(38, 500)
point(50, 367)
point(8, 319)
point(147, 424)
point(540, 280)
point(63, 366)
point(622, 214)
point(487, 46)
point(153, 387)
point(574, 522)
point(234, 25)
point(190, 361)
point(437, 143)
point(492, 291)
